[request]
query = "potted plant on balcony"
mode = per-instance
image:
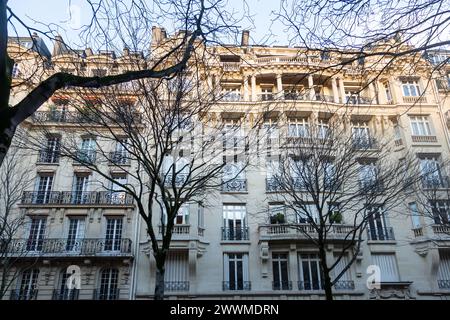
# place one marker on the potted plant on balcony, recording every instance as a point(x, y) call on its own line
point(277, 218)
point(336, 217)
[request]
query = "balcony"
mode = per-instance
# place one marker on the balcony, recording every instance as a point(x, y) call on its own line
point(235, 234)
point(418, 232)
point(309, 285)
point(23, 294)
point(435, 182)
point(236, 285)
point(424, 139)
point(48, 156)
point(381, 234)
point(74, 198)
point(273, 185)
point(65, 294)
point(119, 158)
point(179, 181)
point(111, 294)
point(344, 285)
point(231, 66)
point(70, 247)
point(235, 185)
point(176, 285)
point(303, 231)
point(370, 186)
point(364, 143)
point(415, 99)
point(441, 229)
point(443, 284)
point(231, 97)
point(178, 229)
point(85, 157)
point(281, 285)
point(266, 96)
point(357, 100)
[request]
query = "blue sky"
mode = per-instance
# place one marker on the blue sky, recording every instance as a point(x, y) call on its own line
point(57, 11)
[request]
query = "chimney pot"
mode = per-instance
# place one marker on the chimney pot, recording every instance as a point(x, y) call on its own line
point(245, 38)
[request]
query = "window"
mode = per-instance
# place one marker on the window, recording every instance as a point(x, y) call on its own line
point(109, 279)
point(300, 173)
point(378, 229)
point(420, 126)
point(177, 272)
point(15, 73)
point(201, 216)
point(329, 175)
point(51, 153)
point(310, 272)
point(277, 213)
point(323, 129)
point(298, 128)
point(118, 194)
point(36, 233)
point(266, 94)
point(441, 211)
point(80, 186)
point(335, 213)
point(120, 155)
point(113, 234)
point(43, 187)
point(233, 177)
point(431, 172)
point(368, 173)
point(273, 168)
point(352, 96)
point(98, 72)
point(87, 152)
point(415, 215)
point(388, 266)
point(410, 88)
point(28, 285)
point(236, 275)
point(64, 292)
point(175, 170)
point(311, 215)
point(234, 222)
point(444, 269)
point(361, 135)
point(271, 129)
point(75, 234)
point(387, 91)
point(232, 134)
point(231, 94)
point(280, 269)
point(345, 281)
point(183, 214)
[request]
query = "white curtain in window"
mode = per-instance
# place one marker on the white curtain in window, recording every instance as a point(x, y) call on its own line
point(388, 266)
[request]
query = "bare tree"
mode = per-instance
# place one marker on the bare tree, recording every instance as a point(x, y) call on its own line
point(113, 24)
point(13, 182)
point(335, 182)
point(168, 144)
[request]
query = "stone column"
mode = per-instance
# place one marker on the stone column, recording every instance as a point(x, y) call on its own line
point(341, 88)
point(293, 266)
point(253, 88)
point(381, 94)
point(246, 88)
point(279, 86)
point(335, 90)
point(372, 93)
point(312, 94)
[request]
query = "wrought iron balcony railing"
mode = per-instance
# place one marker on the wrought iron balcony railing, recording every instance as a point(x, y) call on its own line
point(381, 234)
point(85, 156)
point(282, 285)
point(180, 180)
point(236, 285)
point(70, 247)
point(435, 182)
point(176, 285)
point(273, 185)
point(235, 233)
point(82, 117)
point(119, 158)
point(76, 198)
point(234, 185)
point(23, 294)
point(106, 294)
point(48, 156)
point(364, 143)
point(310, 285)
point(65, 294)
point(344, 285)
point(444, 284)
point(371, 186)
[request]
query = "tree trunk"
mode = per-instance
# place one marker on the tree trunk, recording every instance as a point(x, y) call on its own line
point(159, 283)
point(326, 274)
point(6, 135)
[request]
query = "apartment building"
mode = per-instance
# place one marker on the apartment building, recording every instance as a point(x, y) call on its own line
point(232, 248)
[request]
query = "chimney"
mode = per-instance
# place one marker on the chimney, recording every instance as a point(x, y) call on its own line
point(59, 47)
point(126, 51)
point(163, 34)
point(88, 52)
point(156, 36)
point(245, 38)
